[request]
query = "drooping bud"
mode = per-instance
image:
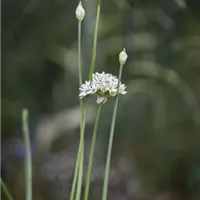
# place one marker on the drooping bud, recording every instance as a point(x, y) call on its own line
point(102, 99)
point(123, 57)
point(80, 12)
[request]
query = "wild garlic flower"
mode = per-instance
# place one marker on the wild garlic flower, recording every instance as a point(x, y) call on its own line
point(80, 12)
point(103, 85)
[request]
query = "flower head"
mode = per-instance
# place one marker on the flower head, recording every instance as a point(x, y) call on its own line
point(80, 12)
point(103, 85)
point(123, 57)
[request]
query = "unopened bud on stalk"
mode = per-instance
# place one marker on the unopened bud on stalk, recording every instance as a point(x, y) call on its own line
point(80, 12)
point(123, 57)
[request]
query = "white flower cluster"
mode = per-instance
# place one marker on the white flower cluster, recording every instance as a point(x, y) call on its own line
point(103, 85)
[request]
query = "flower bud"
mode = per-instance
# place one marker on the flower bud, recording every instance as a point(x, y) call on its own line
point(102, 99)
point(123, 57)
point(80, 12)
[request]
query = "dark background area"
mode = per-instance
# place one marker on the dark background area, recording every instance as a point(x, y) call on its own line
point(156, 152)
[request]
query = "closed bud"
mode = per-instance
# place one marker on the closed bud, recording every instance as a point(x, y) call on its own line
point(80, 12)
point(123, 57)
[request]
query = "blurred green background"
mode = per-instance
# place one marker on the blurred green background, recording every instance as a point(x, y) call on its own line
point(156, 152)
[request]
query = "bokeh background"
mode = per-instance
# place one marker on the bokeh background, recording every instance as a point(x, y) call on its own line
point(156, 152)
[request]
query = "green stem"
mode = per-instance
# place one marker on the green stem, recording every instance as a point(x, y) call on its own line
point(81, 149)
point(28, 164)
point(91, 156)
point(80, 175)
point(82, 127)
point(79, 53)
point(107, 168)
point(95, 40)
point(76, 173)
point(6, 190)
point(80, 152)
point(79, 159)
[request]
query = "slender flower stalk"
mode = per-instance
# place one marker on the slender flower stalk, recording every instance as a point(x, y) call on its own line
point(122, 59)
point(91, 156)
point(8, 195)
point(80, 163)
point(80, 174)
point(95, 40)
point(28, 164)
point(75, 178)
point(80, 152)
point(80, 13)
point(79, 53)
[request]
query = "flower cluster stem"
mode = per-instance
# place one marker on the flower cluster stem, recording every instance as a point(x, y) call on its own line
point(79, 162)
point(81, 152)
point(28, 164)
point(79, 53)
point(80, 157)
point(91, 156)
point(79, 166)
point(107, 167)
point(80, 173)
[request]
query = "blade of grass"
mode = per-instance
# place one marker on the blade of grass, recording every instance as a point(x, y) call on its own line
point(28, 164)
point(7, 193)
